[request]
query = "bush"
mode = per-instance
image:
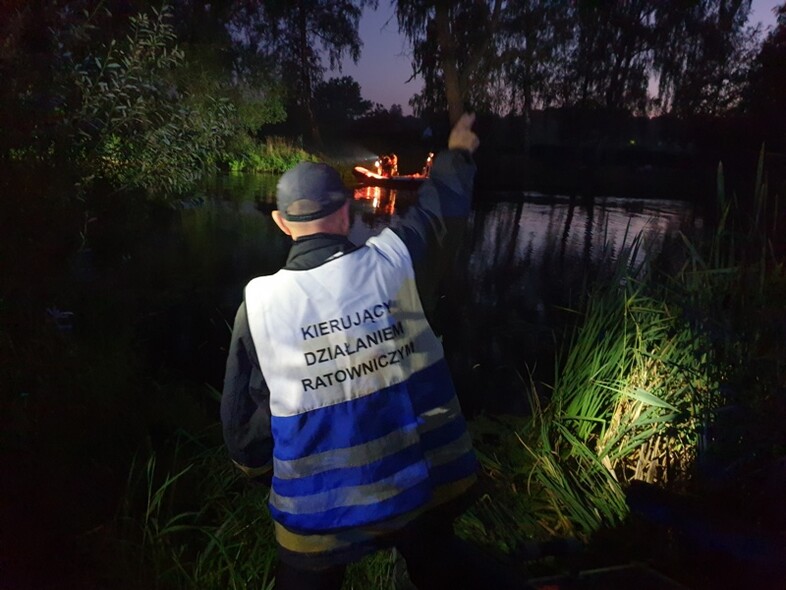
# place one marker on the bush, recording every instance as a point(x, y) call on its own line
point(133, 126)
point(276, 155)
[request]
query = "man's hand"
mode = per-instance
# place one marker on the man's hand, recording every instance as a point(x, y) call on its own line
point(461, 136)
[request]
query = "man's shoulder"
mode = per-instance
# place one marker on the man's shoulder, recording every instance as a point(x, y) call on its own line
point(261, 285)
point(389, 244)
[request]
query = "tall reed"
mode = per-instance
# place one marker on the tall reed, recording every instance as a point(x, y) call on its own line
point(643, 386)
point(196, 526)
point(733, 289)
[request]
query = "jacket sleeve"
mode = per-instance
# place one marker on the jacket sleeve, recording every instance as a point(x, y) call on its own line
point(245, 405)
point(433, 229)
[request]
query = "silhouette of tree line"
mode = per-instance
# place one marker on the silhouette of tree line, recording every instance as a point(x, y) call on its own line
point(239, 65)
point(644, 56)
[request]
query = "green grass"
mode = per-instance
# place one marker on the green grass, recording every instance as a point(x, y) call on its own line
point(196, 523)
point(640, 378)
point(276, 155)
point(640, 384)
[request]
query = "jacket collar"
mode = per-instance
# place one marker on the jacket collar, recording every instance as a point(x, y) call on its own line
point(312, 251)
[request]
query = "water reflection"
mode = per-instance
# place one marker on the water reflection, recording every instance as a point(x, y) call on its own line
point(552, 235)
point(524, 259)
point(381, 201)
point(525, 252)
point(510, 231)
point(376, 208)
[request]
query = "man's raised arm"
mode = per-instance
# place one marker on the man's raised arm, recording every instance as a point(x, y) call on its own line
point(434, 227)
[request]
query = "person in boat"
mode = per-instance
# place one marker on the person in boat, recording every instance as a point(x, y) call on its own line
point(383, 166)
point(388, 165)
point(427, 167)
point(393, 164)
point(337, 393)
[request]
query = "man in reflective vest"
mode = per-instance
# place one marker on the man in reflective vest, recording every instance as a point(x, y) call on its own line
point(337, 391)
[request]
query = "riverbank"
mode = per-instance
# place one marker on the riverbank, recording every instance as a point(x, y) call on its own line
point(110, 414)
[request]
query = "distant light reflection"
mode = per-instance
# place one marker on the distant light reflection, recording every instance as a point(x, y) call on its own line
point(381, 200)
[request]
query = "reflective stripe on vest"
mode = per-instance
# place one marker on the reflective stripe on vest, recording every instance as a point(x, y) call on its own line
point(365, 419)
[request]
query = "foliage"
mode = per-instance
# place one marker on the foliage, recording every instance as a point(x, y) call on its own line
point(113, 98)
point(703, 51)
point(339, 101)
point(453, 50)
point(196, 524)
point(218, 66)
point(673, 382)
point(770, 64)
point(627, 405)
point(766, 94)
point(135, 128)
point(512, 57)
point(533, 46)
point(294, 38)
point(734, 290)
point(276, 155)
point(508, 513)
point(191, 520)
point(380, 570)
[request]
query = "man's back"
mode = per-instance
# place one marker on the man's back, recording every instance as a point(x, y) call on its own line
point(364, 414)
point(337, 385)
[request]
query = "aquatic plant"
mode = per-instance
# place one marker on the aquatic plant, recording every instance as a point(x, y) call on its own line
point(627, 404)
point(196, 522)
point(191, 520)
point(733, 291)
point(669, 379)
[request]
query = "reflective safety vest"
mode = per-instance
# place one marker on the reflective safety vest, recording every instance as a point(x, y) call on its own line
point(364, 415)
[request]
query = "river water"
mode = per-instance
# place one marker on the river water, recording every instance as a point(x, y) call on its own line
point(524, 258)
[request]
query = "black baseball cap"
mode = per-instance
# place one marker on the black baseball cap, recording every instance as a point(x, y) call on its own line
point(310, 191)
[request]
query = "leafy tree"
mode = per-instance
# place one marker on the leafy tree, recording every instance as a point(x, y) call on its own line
point(610, 55)
point(517, 55)
point(294, 37)
point(339, 101)
point(454, 45)
point(217, 65)
point(134, 126)
point(766, 95)
point(702, 52)
point(102, 91)
point(29, 112)
point(534, 45)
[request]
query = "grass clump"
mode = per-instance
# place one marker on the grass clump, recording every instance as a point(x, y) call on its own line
point(626, 404)
point(190, 520)
point(676, 379)
point(275, 155)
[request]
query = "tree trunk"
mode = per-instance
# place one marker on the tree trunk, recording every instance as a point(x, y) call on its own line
point(305, 77)
point(453, 91)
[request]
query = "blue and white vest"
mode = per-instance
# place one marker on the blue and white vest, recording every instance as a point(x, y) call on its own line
point(365, 419)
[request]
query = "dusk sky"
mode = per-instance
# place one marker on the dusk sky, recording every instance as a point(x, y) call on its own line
point(385, 61)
